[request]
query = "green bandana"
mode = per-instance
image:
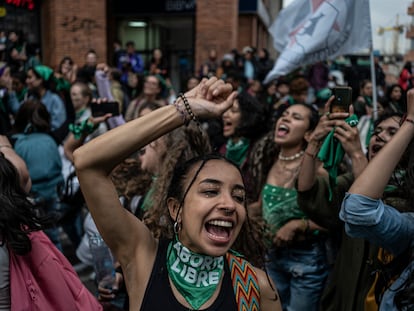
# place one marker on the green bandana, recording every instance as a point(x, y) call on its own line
point(21, 95)
point(62, 84)
point(195, 276)
point(43, 71)
point(84, 128)
point(332, 153)
point(368, 101)
point(237, 152)
point(79, 113)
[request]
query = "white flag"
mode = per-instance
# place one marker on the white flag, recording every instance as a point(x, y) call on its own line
point(308, 31)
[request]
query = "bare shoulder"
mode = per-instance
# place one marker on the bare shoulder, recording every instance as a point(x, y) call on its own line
point(269, 297)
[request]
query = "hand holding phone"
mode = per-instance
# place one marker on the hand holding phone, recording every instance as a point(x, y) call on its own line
point(101, 109)
point(342, 100)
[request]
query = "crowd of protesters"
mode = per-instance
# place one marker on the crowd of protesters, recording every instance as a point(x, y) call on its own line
point(272, 166)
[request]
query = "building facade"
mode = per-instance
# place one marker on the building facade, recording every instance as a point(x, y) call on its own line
point(185, 30)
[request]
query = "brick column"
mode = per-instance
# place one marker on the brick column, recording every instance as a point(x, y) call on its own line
point(71, 28)
point(216, 27)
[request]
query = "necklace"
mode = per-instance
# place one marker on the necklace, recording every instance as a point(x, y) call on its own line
point(291, 158)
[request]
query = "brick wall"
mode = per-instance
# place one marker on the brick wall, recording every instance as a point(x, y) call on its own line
point(216, 27)
point(247, 31)
point(71, 28)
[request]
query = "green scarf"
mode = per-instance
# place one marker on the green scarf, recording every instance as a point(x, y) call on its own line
point(62, 84)
point(237, 152)
point(79, 113)
point(84, 128)
point(147, 203)
point(195, 276)
point(21, 95)
point(332, 153)
point(368, 100)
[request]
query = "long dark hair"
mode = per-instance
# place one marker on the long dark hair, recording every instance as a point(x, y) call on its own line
point(34, 114)
point(266, 150)
point(49, 84)
point(17, 214)
point(402, 105)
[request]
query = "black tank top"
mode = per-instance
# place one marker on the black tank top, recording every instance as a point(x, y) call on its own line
point(159, 296)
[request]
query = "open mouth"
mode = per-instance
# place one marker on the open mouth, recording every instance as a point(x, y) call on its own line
point(282, 130)
point(219, 229)
point(227, 124)
point(376, 148)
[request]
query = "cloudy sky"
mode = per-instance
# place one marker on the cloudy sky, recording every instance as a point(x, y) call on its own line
point(384, 14)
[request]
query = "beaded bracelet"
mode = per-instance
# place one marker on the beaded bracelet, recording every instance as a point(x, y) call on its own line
point(189, 110)
point(312, 155)
point(316, 146)
point(182, 112)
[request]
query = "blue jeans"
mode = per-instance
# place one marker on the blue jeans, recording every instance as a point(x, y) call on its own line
point(299, 274)
point(51, 208)
point(72, 222)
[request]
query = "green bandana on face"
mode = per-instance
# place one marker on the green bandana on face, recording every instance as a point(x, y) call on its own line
point(195, 276)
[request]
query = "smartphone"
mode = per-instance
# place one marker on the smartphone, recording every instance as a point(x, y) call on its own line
point(343, 99)
point(99, 110)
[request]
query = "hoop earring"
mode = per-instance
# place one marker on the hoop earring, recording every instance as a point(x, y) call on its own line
point(176, 227)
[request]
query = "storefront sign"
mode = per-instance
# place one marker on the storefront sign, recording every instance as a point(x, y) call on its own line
point(180, 5)
point(121, 7)
point(28, 4)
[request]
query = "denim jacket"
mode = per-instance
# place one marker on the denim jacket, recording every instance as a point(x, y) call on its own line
point(383, 225)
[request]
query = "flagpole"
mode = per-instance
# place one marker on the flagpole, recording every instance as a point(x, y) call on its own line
point(373, 78)
point(374, 85)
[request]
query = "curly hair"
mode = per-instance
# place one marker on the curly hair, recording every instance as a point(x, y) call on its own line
point(261, 160)
point(17, 214)
point(253, 119)
point(181, 144)
point(129, 179)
